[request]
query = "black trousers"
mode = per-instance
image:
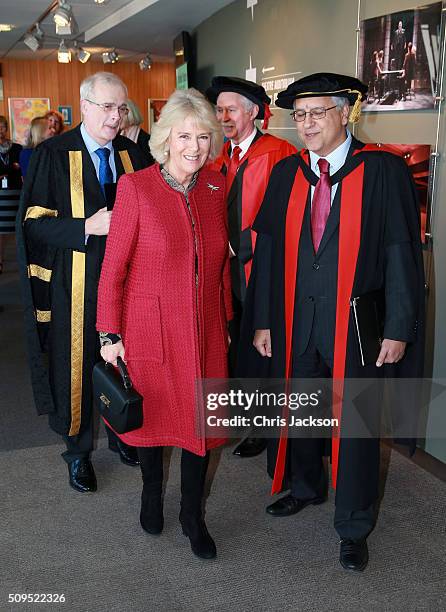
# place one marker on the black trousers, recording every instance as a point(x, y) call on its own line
point(307, 472)
point(81, 445)
point(193, 475)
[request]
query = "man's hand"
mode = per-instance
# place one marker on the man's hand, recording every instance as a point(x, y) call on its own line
point(99, 223)
point(111, 352)
point(392, 351)
point(262, 342)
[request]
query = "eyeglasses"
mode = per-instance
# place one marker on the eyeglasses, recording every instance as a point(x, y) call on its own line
point(108, 107)
point(315, 113)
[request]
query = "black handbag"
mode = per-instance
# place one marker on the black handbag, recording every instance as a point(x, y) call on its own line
point(115, 397)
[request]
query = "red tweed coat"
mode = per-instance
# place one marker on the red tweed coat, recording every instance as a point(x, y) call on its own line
point(173, 331)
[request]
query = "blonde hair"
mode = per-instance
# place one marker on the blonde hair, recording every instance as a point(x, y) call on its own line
point(38, 132)
point(184, 103)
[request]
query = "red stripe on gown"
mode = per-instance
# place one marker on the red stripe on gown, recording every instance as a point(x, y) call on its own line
point(294, 219)
point(349, 242)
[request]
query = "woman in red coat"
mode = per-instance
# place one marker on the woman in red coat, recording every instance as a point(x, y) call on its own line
point(164, 301)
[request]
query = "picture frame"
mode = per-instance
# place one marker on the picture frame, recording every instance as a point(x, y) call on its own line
point(21, 112)
point(399, 57)
point(67, 114)
point(154, 106)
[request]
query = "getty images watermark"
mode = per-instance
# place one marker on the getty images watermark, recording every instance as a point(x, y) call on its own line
point(351, 408)
point(234, 410)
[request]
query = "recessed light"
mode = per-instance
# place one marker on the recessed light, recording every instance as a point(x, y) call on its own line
point(6, 27)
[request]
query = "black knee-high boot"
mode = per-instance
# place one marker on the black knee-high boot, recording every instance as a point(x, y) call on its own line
point(151, 516)
point(193, 475)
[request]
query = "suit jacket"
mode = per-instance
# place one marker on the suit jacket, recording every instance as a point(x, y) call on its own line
point(143, 143)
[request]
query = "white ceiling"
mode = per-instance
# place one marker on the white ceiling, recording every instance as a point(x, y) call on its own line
point(134, 27)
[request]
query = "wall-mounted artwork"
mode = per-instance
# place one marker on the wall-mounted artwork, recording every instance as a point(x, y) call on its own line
point(418, 158)
point(154, 107)
point(21, 112)
point(399, 59)
point(67, 114)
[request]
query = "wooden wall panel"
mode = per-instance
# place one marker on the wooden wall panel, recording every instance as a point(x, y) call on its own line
point(60, 82)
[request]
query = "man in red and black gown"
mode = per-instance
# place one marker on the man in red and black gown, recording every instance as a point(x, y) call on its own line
point(246, 160)
point(338, 220)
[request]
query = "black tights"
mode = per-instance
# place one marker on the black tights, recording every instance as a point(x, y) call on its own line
point(193, 474)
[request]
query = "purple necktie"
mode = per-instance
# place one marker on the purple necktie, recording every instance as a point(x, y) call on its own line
point(320, 208)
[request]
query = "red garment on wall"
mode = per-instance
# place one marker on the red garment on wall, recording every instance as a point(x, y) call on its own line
point(173, 331)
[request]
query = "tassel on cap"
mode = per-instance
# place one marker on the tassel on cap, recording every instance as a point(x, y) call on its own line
point(355, 113)
point(267, 115)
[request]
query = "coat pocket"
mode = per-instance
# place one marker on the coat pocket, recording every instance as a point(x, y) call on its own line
point(144, 339)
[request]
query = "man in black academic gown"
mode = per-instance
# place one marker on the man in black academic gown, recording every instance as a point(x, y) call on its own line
point(246, 160)
point(62, 227)
point(338, 220)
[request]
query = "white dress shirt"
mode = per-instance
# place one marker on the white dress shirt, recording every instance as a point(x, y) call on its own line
point(92, 145)
point(245, 144)
point(336, 159)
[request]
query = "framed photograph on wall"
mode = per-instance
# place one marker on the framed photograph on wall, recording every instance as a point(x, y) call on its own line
point(21, 111)
point(154, 106)
point(418, 158)
point(67, 114)
point(400, 59)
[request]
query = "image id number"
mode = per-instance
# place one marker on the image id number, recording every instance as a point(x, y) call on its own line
point(36, 598)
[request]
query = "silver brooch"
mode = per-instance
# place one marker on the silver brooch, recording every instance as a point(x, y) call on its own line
point(213, 187)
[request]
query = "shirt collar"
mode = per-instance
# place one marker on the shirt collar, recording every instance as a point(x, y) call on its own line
point(336, 158)
point(91, 143)
point(245, 144)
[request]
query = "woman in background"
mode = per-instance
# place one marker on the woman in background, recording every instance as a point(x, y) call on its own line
point(55, 122)
point(164, 301)
point(39, 131)
point(131, 128)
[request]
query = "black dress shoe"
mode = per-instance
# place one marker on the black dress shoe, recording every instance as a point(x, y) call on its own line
point(201, 542)
point(250, 447)
point(82, 476)
point(288, 505)
point(127, 454)
point(354, 555)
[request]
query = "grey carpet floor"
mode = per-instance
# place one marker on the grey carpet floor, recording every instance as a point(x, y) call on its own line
point(92, 549)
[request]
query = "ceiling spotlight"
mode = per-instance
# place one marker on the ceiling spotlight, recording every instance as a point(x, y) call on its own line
point(100, 1)
point(82, 55)
point(145, 63)
point(63, 54)
point(31, 42)
point(34, 40)
point(63, 13)
point(110, 57)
